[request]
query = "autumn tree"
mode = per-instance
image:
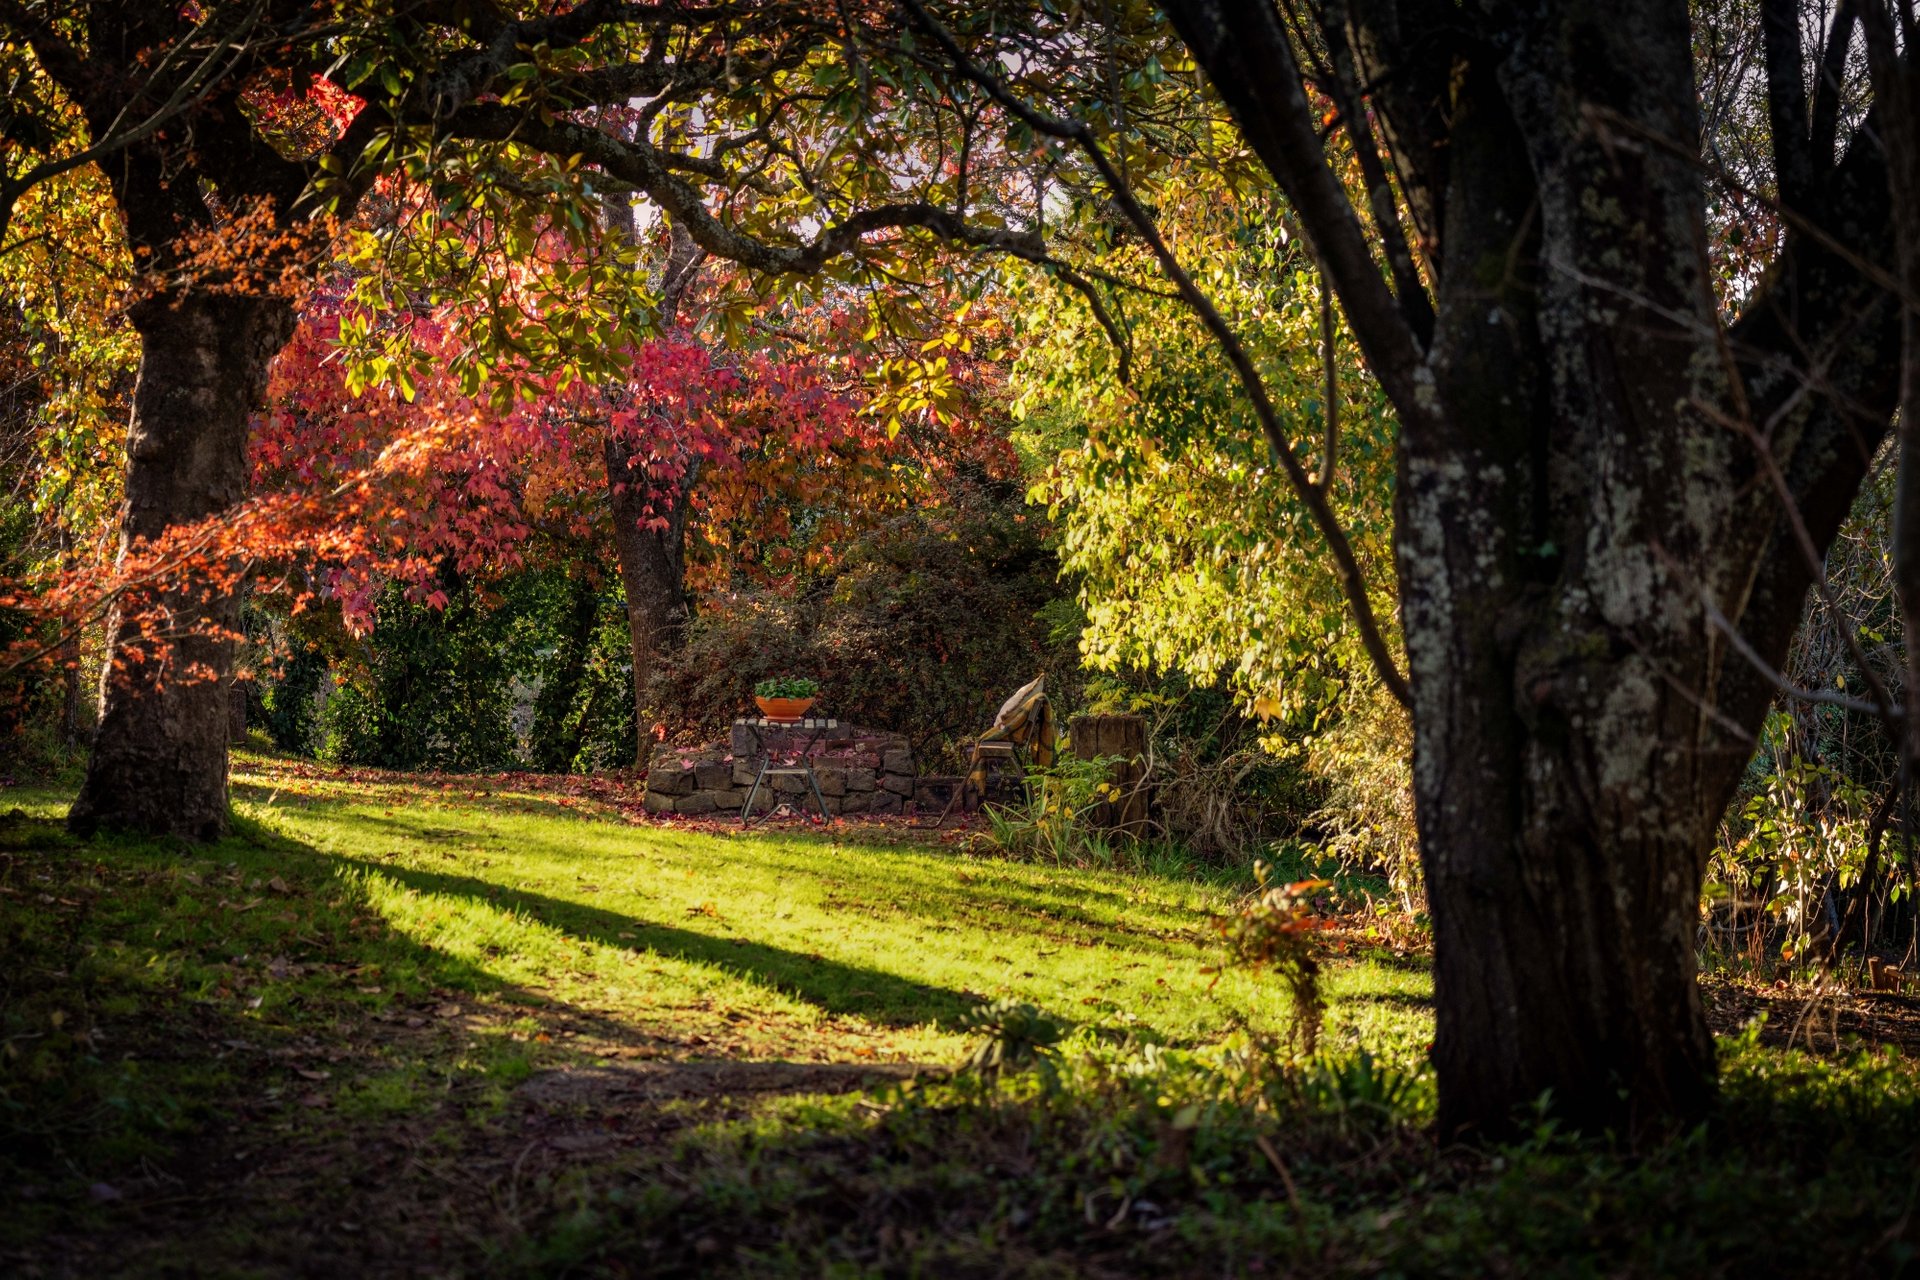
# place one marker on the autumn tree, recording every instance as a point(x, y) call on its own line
point(225, 148)
point(695, 458)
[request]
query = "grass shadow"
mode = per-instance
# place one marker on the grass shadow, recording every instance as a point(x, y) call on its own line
point(883, 998)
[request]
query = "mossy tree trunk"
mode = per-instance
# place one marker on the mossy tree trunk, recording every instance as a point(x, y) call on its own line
point(1607, 498)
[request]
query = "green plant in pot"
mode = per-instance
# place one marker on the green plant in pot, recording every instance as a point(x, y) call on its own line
point(786, 697)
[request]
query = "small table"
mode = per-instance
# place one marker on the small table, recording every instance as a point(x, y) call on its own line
point(792, 758)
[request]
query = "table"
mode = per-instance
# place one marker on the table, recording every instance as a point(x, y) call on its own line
point(785, 748)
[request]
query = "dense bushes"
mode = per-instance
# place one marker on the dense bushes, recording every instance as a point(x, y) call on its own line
point(289, 704)
point(534, 673)
point(431, 689)
point(922, 626)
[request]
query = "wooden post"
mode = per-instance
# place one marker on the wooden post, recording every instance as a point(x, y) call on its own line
point(1125, 737)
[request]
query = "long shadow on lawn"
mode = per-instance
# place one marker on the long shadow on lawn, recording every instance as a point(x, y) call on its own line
point(1001, 905)
point(837, 988)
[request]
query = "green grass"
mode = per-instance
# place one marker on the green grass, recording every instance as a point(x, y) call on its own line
point(492, 1026)
point(372, 950)
point(788, 944)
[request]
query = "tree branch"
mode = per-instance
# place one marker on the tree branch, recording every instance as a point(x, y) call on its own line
point(1825, 128)
point(1787, 100)
point(1411, 291)
point(1248, 57)
point(1352, 582)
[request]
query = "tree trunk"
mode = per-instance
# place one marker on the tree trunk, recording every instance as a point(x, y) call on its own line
point(1598, 482)
point(1123, 737)
point(159, 762)
point(650, 539)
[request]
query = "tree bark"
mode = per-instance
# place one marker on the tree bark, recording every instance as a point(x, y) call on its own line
point(650, 540)
point(159, 761)
point(1592, 470)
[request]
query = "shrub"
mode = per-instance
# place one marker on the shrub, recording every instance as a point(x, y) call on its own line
point(1363, 760)
point(291, 701)
point(570, 639)
point(431, 688)
point(1048, 823)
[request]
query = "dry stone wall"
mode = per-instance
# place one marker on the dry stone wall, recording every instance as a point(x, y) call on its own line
point(859, 770)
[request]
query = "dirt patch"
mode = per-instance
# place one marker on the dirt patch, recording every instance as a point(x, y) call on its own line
point(652, 1082)
point(1830, 1020)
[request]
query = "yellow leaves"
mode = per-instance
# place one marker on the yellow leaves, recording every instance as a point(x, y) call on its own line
point(1267, 707)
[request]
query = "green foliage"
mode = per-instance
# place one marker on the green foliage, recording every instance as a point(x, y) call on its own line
point(290, 700)
point(1190, 550)
point(570, 637)
point(1017, 1036)
point(432, 688)
point(1049, 821)
point(1193, 555)
point(539, 667)
point(33, 694)
point(1221, 1161)
point(787, 687)
point(1795, 875)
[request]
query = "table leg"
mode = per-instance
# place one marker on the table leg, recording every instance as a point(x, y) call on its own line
point(817, 797)
point(746, 810)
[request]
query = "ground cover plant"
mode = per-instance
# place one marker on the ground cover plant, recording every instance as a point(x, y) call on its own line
point(500, 1024)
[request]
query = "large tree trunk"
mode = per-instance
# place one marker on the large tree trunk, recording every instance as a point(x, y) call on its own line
point(650, 539)
point(1552, 539)
point(1590, 500)
point(159, 762)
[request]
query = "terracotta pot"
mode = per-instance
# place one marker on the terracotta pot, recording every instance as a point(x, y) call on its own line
point(784, 708)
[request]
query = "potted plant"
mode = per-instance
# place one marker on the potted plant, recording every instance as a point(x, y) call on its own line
point(785, 697)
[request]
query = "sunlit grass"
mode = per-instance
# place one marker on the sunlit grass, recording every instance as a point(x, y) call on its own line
point(371, 954)
point(774, 939)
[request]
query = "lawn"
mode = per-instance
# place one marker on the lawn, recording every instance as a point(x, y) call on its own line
point(392, 959)
point(403, 1025)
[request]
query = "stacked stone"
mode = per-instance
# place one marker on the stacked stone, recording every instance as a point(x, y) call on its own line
point(859, 771)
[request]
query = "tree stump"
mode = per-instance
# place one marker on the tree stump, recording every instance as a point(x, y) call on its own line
point(1126, 738)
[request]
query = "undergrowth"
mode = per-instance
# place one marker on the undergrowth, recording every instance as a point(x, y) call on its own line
point(1136, 1159)
point(319, 1047)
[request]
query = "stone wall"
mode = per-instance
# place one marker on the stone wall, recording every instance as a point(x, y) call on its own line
point(859, 770)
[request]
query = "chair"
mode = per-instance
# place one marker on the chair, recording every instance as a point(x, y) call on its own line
point(1023, 735)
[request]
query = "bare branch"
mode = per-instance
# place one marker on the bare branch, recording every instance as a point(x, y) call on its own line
point(1787, 99)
